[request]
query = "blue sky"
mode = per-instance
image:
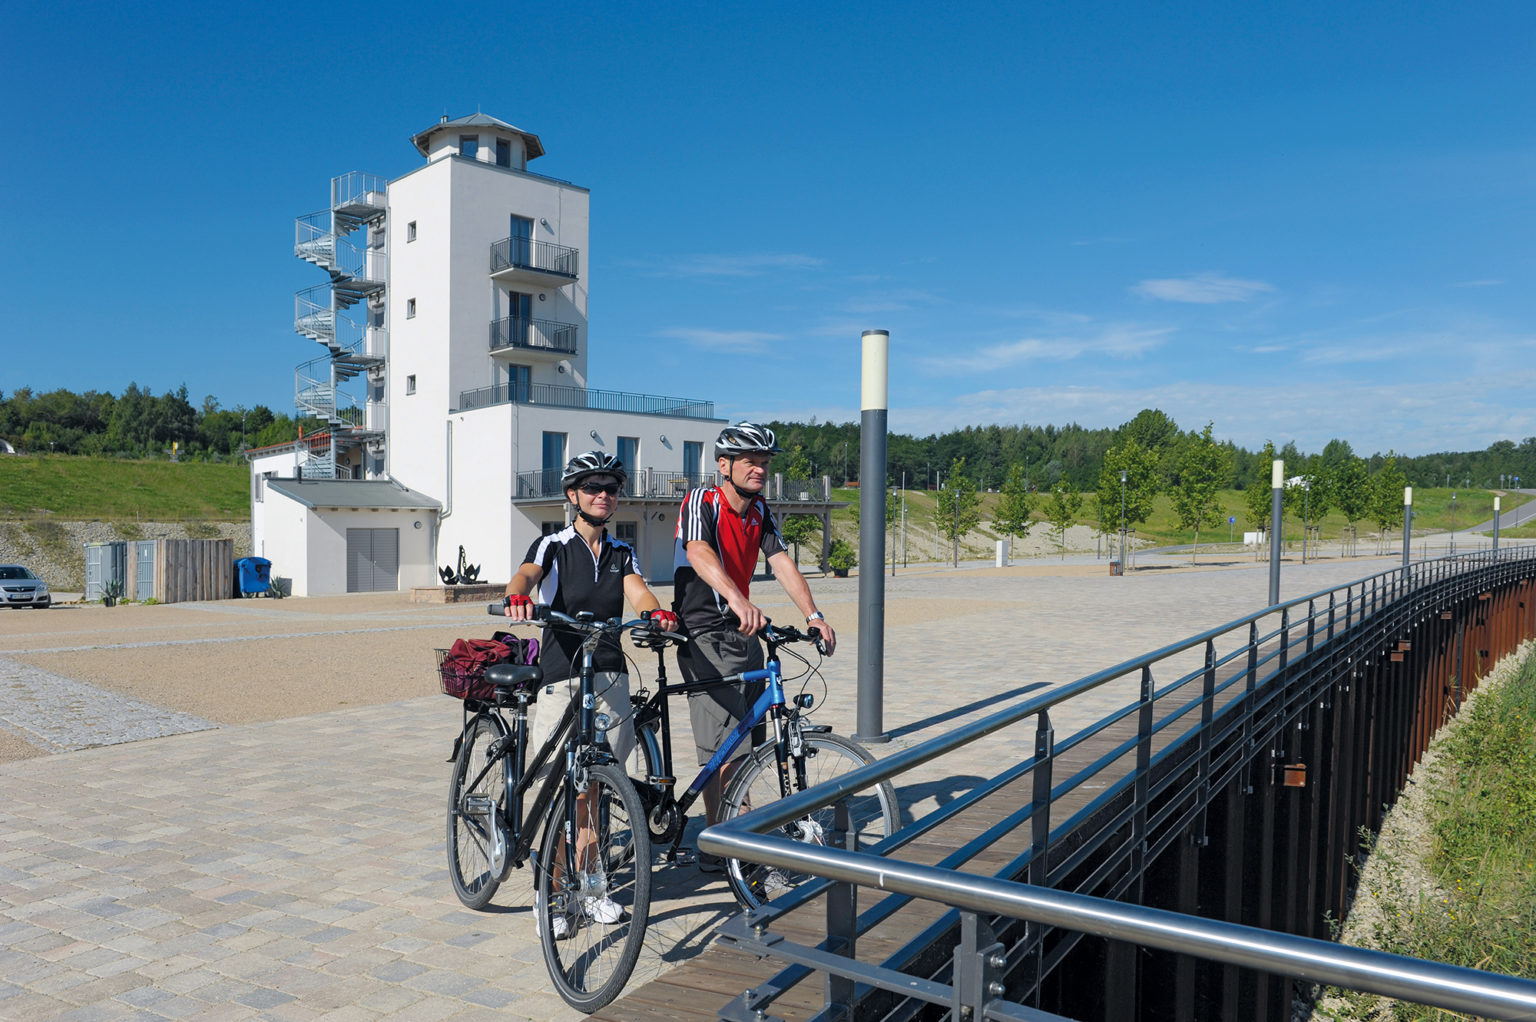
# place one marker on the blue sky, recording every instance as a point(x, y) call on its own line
point(1301, 221)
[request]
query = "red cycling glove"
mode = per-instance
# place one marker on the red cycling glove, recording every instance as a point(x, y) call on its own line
point(516, 600)
point(663, 618)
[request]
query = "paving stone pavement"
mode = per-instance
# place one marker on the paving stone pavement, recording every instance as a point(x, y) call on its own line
point(294, 869)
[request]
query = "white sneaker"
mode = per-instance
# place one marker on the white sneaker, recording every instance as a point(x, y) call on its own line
point(601, 910)
point(559, 926)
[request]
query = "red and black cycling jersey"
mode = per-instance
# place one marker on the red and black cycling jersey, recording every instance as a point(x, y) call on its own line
point(573, 582)
point(738, 539)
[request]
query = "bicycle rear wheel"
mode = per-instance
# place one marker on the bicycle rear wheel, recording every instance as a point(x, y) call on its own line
point(475, 814)
point(594, 893)
point(873, 812)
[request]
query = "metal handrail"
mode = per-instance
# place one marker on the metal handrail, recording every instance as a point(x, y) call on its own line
point(535, 334)
point(1352, 605)
point(558, 396)
point(527, 254)
point(356, 188)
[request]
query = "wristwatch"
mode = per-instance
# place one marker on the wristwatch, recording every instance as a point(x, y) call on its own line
point(815, 615)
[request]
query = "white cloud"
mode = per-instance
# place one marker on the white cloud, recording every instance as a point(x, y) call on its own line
point(722, 340)
point(716, 265)
point(1201, 289)
point(1116, 341)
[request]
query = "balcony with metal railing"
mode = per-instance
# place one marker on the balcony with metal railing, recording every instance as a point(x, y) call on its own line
point(537, 263)
point(556, 396)
point(647, 483)
point(533, 335)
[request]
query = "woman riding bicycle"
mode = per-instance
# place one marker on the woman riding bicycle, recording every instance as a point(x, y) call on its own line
point(583, 569)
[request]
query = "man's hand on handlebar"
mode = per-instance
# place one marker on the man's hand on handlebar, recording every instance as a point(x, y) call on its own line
point(828, 639)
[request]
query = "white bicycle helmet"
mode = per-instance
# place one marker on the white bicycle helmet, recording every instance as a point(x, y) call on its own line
point(590, 464)
point(746, 438)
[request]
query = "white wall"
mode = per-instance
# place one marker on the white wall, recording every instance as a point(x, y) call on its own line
point(313, 544)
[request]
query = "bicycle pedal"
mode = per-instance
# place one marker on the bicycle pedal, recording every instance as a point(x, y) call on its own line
point(682, 857)
point(661, 782)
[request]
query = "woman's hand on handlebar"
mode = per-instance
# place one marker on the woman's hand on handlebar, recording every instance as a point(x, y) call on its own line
point(518, 607)
point(663, 619)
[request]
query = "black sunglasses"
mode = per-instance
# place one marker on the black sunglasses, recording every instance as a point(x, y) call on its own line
point(595, 488)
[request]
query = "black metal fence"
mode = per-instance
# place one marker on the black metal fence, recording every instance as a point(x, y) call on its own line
point(534, 334)
point(527, 254)
point(1181, 856)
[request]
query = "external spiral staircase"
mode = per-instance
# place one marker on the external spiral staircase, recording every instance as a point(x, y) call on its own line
point(346, 315)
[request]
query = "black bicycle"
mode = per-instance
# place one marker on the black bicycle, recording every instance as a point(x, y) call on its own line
point(592, 867)
point(797, 755)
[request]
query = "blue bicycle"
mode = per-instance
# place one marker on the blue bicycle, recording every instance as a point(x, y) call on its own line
point(796, 755)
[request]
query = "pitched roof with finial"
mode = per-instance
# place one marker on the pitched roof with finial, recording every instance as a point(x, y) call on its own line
point(423, 140)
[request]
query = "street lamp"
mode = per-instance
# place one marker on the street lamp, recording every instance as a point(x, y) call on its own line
point(845, 463)
point(1122, 520)
point(1306, 514)
point(1453, 523)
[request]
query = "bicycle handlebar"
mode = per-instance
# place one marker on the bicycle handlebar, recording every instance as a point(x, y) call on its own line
point(591, 626)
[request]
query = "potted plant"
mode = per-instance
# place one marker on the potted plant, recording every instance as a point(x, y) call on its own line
point(841, 558)
point(111, 593)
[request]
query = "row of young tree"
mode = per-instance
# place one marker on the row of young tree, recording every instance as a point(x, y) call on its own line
point(1048, 455)
point(140, 424)
point(1192, 472)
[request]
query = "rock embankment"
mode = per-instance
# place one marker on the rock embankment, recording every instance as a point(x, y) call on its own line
point(56, 550)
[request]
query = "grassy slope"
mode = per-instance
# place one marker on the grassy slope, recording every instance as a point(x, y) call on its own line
point(70, 488)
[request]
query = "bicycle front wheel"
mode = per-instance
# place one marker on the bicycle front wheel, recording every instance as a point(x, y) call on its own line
point(477, 845)
point(593, 878)
point(872, 812)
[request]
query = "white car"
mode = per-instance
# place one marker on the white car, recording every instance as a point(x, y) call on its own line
point(20, 588)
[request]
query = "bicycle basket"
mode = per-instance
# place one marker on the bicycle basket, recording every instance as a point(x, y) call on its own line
point(461, 668)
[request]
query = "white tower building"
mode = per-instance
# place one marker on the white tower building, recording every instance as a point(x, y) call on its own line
point(455, 380)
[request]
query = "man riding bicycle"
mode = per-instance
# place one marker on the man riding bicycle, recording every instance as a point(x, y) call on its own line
point(582, 568)
point(721, 530)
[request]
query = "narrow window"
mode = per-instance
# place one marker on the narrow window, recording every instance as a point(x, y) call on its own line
point(503, 152)
point(410, 384)
point(410, 231)
point(469, 145)
point(410, 308)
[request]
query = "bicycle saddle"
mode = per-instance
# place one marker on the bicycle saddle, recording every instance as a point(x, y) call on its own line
point(514, 676)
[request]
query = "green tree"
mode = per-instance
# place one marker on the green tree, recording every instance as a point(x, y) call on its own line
point(1143, 478)
point(1260, 493)
point(1015, 505)
point(958, 508)
point(1387, 508)
point(1352, 490)
point(796, 529)
point(1202, 469)
point(1061, 510)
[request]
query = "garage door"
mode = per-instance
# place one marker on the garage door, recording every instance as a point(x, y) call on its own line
point(373, 560)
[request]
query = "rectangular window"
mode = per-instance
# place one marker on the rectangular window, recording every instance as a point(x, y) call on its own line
point(519, 383)
point(627, 532)
point(550, 528)
point(554, 462)
point(410, 231)
point(410, 308)
point(629, 454)
point(410, 384)
point(469, 145)
point(522, 241)
point(693, 461)
point(503, 152)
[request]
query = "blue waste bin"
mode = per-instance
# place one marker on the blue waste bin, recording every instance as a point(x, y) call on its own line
point(255, 575)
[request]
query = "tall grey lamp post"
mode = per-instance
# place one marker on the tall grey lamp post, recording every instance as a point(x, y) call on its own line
point(1122, 521)
point(1496, 502)
point(1276, 482)
point(1407, 521)
point(1453, 523)
point(872, 451)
